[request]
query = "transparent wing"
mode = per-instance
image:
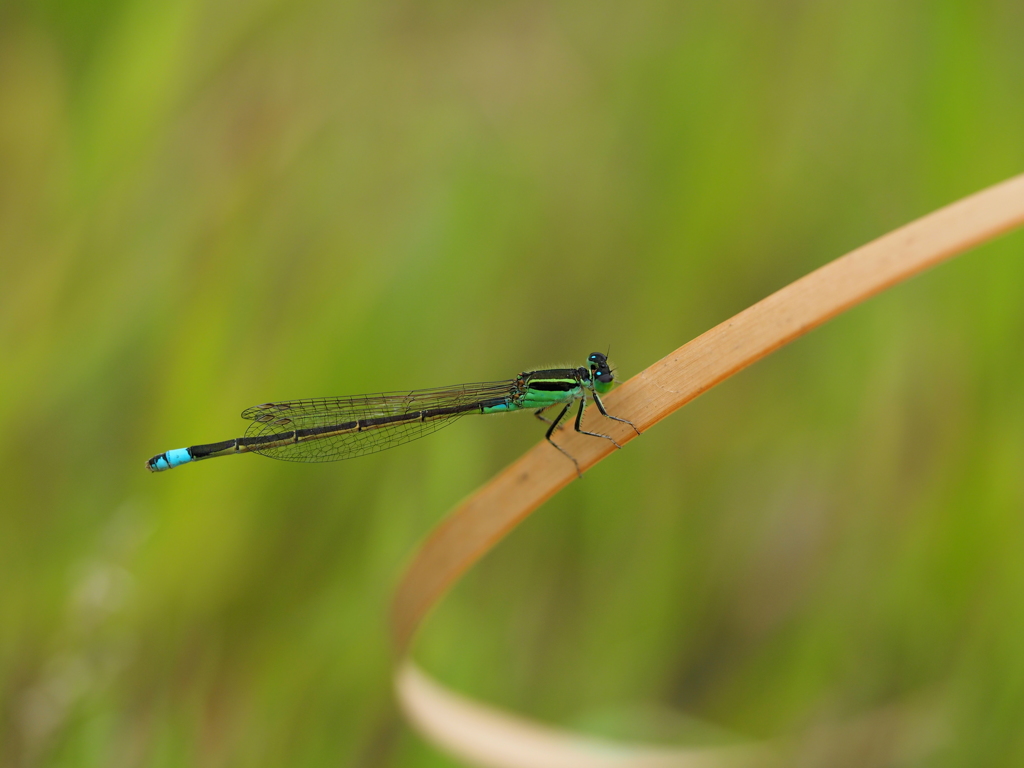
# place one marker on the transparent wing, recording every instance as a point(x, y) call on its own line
point(284, 417)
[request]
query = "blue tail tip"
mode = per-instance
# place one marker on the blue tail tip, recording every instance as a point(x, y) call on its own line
point(169, 460)
point(158, 463)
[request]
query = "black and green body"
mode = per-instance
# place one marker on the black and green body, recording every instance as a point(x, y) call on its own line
point(335, 428)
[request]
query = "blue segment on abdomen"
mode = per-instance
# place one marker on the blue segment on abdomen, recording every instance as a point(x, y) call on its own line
point(500, 408)
point(177, 457)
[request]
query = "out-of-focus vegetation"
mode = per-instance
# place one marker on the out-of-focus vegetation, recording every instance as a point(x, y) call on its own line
point(209, 204)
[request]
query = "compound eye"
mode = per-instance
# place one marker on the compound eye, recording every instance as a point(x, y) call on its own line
point(603, 373)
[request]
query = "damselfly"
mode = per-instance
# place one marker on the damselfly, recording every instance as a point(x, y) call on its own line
point(335, 428)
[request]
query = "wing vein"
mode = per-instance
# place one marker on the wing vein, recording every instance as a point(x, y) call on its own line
point(362, 424)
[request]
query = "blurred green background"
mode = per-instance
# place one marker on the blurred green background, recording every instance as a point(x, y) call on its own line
point(206, 204)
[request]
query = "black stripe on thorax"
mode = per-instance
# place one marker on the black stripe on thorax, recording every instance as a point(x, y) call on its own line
point(556, 385)
point(552, 373)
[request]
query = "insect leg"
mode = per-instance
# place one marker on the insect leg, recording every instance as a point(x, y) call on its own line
point(552, 428)
point(600, 407)
point(579, 422)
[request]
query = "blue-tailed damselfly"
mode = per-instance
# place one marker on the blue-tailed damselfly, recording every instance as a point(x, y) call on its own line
point(335, 428)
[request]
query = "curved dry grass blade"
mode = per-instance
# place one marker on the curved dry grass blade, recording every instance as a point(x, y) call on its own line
point(486, 736)
point(483, 519)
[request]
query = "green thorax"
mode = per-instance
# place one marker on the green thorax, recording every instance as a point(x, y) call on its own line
point(541, 389)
